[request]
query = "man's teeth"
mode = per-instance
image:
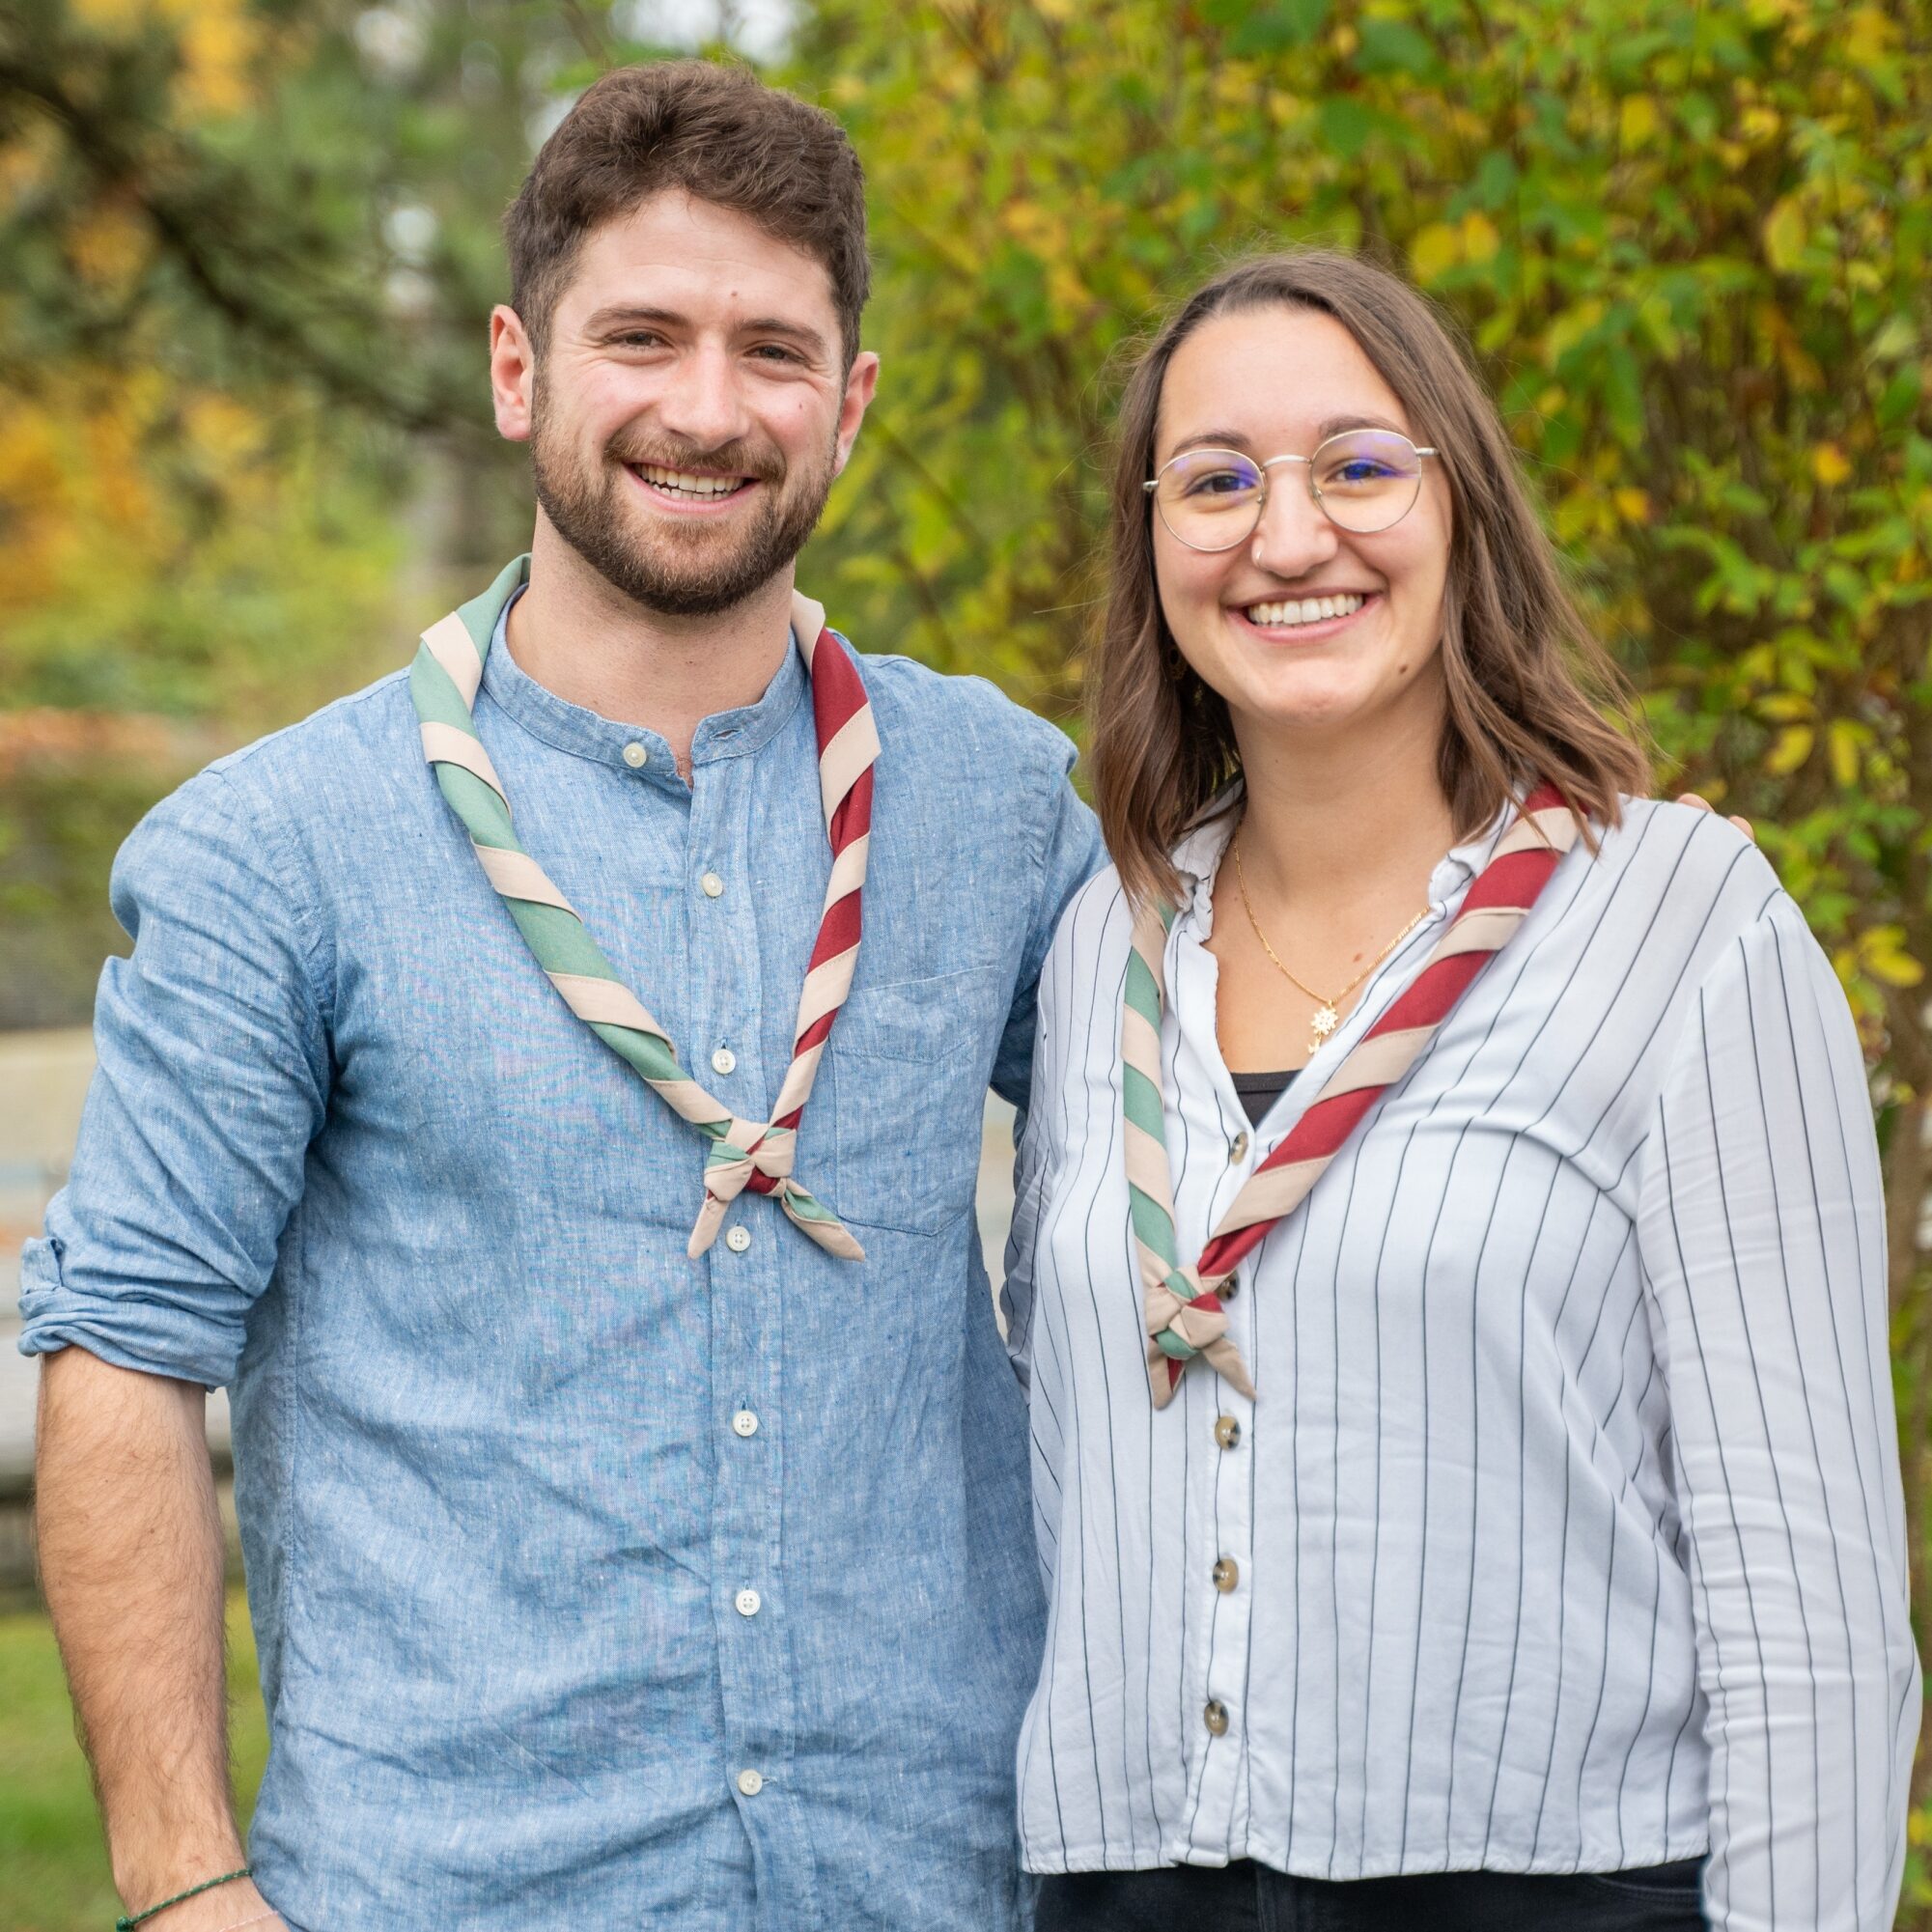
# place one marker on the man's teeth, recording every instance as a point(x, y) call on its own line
point(684, 483)
point(1305, 610)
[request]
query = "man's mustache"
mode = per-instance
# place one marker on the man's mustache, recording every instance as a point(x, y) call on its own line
point(734, 459)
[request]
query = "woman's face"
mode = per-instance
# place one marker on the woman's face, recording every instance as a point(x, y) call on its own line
point(1277, 381)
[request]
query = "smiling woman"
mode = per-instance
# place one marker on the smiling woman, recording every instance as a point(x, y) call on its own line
point(1478, 1178)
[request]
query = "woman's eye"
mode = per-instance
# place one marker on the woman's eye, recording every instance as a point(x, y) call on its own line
point(1220, 483)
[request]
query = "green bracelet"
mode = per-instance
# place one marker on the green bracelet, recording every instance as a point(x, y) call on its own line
point(193, 1892)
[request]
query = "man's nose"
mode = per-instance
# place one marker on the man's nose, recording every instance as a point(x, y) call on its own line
point(1294, 535)
point(704, 403)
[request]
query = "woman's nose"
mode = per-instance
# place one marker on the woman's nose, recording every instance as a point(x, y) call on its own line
point(1293, 535)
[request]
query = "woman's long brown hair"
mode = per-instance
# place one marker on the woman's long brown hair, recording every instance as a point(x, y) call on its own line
point(1526, 682)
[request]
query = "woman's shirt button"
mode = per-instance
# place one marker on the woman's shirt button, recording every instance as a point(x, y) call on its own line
point(1227, 1431)
point(1226, 1574)
point(1215, 1717)
point(1237, 1148)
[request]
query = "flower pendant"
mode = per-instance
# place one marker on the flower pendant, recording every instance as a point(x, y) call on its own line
point(1322, 1026)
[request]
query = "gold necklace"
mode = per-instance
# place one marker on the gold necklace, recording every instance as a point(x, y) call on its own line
point(1328, 1015)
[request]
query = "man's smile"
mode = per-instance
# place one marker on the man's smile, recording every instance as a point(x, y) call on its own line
point(689, 490)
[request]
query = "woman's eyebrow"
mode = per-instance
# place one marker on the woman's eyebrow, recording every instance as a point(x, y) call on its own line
point(1211, 439)
point(1336, 426)
point(1333, 426)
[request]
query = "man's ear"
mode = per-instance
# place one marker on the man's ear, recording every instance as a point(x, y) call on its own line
point(861, 381)
point(513, 374)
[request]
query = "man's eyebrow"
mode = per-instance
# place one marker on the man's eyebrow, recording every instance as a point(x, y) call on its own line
point(621, 314)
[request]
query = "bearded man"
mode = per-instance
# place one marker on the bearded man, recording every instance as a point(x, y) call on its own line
point(502, 1101)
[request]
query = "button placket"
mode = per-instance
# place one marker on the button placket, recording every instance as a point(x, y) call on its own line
point(725, 997)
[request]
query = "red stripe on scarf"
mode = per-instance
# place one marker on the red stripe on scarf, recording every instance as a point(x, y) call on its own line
point(838, 931)
point(852, 815)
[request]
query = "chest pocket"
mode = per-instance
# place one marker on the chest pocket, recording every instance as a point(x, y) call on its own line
point(911, 1063)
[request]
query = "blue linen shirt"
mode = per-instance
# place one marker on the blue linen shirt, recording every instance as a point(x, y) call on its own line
point(506, 1460)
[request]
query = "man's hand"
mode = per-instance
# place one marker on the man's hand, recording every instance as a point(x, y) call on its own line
point(1704, 805)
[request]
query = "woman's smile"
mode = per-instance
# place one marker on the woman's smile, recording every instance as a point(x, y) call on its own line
point(1311, 618)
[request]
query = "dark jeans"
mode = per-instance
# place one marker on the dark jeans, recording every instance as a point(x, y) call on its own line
point(1247, 1897)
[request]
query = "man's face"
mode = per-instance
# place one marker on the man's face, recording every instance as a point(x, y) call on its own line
point(693, 407)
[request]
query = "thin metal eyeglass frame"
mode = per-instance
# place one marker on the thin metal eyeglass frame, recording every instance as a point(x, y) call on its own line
point(1152, 483)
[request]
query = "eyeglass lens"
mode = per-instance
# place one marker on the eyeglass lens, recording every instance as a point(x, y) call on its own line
point(1365, 480)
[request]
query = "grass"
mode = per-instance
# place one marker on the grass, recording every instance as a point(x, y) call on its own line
point(53, 1865)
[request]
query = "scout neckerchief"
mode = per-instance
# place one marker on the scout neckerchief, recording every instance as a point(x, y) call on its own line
point(1182, 1306)
point(757, 1154)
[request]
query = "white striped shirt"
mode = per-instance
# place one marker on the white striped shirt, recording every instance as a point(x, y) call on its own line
point(1566, 1521)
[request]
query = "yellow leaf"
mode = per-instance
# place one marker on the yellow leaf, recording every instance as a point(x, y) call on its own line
point(1894, 969)
point(1841, 742)
point(1634, 505)
point(1637, 122)
point(1868, 36)
point(1480, 241)
point(1784, 707)
point(1791, 750)
point(1829, 465)
point(1434, 250)
point(1785, 233)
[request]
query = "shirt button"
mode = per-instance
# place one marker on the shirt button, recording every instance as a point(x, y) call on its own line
point(713, 884)
point(1226, 1574)
point(751, 1784)
point(748, 1603)
point(1227, 1431)
point(1229, 1288)
point(1237, 1148)
point(746, 1422)
point(1214, 1716)
point(724, 1061)
point(738, 1239)
point(635, 755)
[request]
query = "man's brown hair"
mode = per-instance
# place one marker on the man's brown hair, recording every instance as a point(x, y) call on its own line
point(719, 135)
point(1527, 683)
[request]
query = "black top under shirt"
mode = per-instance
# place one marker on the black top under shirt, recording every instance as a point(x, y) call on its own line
point(1258, 1092)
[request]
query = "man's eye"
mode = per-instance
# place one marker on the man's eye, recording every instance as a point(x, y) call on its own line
point(638, 338)
point(775, 351)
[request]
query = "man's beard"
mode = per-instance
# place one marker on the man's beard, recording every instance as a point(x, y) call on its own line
point(674, 573)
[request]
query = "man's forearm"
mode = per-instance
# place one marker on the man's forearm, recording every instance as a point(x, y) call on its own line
point(130, 1558)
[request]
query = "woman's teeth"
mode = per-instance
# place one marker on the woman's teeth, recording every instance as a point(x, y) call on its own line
point(1306, 611)
point(684, 484)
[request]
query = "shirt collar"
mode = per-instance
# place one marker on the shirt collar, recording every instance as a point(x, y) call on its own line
point(1198, 857)
point(587, 734)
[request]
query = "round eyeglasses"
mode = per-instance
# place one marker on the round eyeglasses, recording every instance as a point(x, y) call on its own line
point(1362, 480)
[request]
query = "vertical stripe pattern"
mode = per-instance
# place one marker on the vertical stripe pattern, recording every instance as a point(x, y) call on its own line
point(1182, 1306)
point(1566, 1534)
point(740, 1153)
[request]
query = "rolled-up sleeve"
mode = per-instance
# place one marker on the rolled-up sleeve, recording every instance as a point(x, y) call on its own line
point(210, 1081)
point(1762, 1229)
